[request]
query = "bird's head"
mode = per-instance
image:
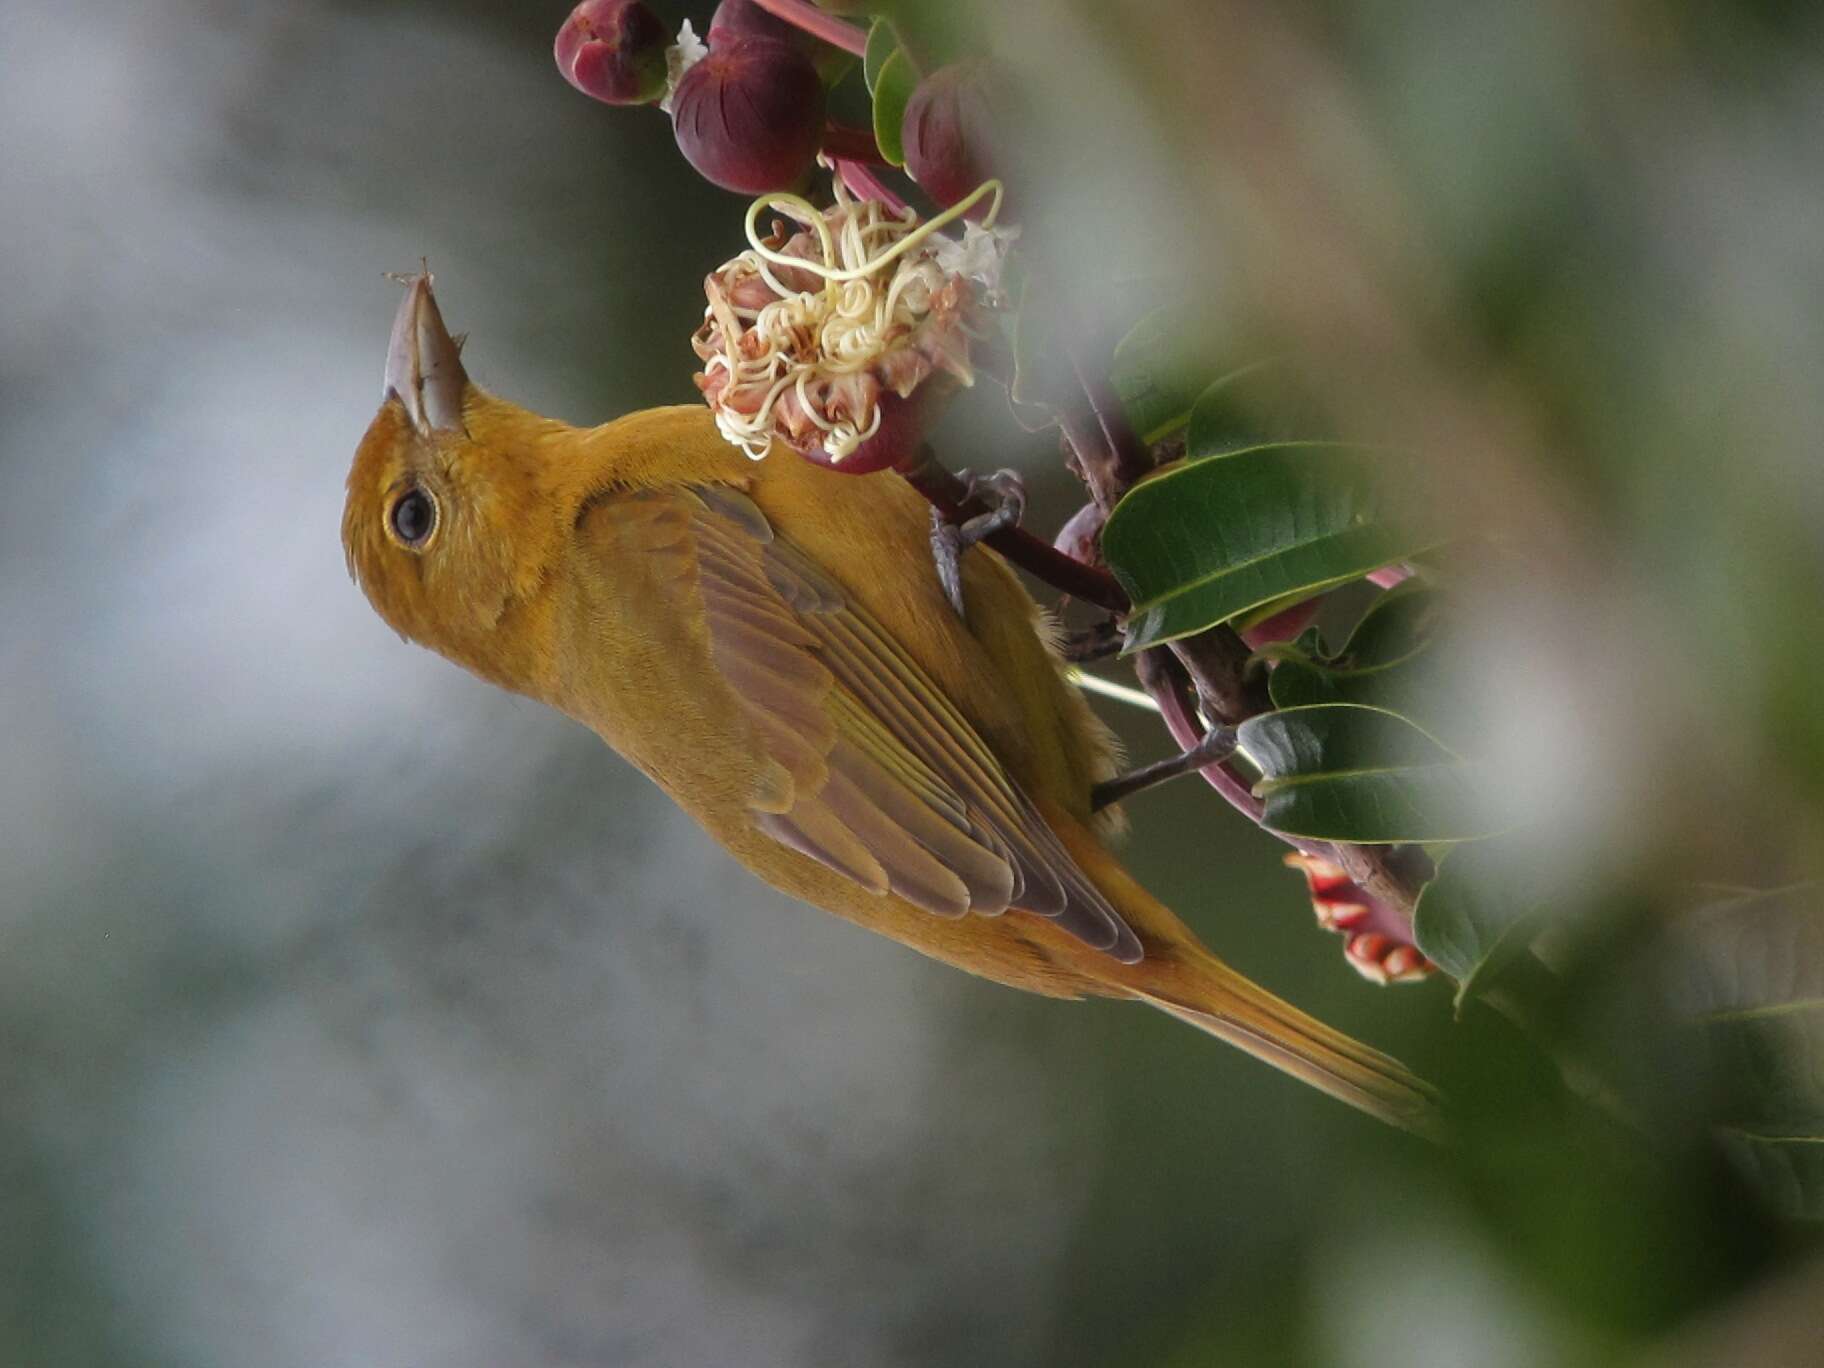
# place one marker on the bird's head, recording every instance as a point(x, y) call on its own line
point(456, 509)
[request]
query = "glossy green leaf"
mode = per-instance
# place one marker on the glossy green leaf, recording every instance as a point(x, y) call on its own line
point(1482, 910)
point(1208, 540)
point(893, 87)
point(1338, 772)
point(1229, 413)
point(1388, 663)
point(883, 42)
point(1749, 971)
point(1158, 371)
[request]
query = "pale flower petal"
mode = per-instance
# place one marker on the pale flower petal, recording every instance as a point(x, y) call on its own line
point(680, 58)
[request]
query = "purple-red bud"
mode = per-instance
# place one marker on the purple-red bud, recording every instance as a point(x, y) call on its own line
point(947, 132)
point(613, 51)
point(737, 19)
point(902, 428)
point(750, 115)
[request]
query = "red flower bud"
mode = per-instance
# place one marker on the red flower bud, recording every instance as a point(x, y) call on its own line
point(948, 126)
point(749, 116)
point(613, 51)
point(737, 19)
point(1377, 941)
point(896, 440)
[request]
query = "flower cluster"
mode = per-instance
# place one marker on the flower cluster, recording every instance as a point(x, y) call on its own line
point(837, 335)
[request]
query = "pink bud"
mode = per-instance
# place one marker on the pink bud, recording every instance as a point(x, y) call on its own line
point(947, 131)
point(613, 51)
point(749, 116)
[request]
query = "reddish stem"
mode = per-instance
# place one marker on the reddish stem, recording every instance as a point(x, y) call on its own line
point(836, 32)
point(1044, 562)
point(842, 143)
point(1369, 866)
point(864, 184)
point(1389, 575)
point(1167, 689)
point(1112, 458)
point(1127, 459)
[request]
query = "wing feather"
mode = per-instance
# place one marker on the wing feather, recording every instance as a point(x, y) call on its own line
point(890, 784)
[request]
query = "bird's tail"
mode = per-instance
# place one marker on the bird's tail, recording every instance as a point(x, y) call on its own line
point(1204, 992)
point(1178, 975)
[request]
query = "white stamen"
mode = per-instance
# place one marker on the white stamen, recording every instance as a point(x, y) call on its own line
point(886, 288)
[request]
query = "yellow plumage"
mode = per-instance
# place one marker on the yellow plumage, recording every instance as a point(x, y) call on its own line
point(767, 641)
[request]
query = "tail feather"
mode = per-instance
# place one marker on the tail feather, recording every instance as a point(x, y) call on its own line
point(1243, 1014)
point(1178, 975)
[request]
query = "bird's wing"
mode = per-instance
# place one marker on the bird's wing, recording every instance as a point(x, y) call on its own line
point(877, 775)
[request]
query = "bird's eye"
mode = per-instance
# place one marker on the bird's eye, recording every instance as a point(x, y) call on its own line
point(414, 517)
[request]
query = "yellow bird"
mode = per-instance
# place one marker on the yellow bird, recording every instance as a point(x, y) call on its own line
point(768, 643)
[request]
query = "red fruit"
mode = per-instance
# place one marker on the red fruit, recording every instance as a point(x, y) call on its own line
point(947, 131)
point(749, 116)
point(613, 51)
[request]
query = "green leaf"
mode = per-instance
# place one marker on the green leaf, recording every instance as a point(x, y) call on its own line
point(1158, 371)
point(1750, 973)
point(883, 42)
point(1481, 912)
point(1788, 1169)
point(893, 87)
point(1228, 413)
point(1338, 772)
point(1208, 540)
point(1387, 663)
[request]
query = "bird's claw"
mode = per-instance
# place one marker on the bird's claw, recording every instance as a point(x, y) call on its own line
point(1217, 745)
point(947, 553)
point(1005, 493)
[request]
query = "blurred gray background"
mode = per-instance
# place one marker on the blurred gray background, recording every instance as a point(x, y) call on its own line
point(357, 1013)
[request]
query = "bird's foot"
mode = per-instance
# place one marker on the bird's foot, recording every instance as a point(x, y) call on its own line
point(1095, 642)
point(1218, 744)
point(1005, 494)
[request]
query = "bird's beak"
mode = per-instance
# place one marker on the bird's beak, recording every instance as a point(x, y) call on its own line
point(424, 363)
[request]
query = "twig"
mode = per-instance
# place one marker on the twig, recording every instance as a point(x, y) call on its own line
point(1163, 678)
point(950, 496)
point(1119, 460)
point(1385, 873)
point(864, 184)
point(1107, 688)
point(836, 32)
point(843, 143)
point(1216, 661)
point(1112, 459)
